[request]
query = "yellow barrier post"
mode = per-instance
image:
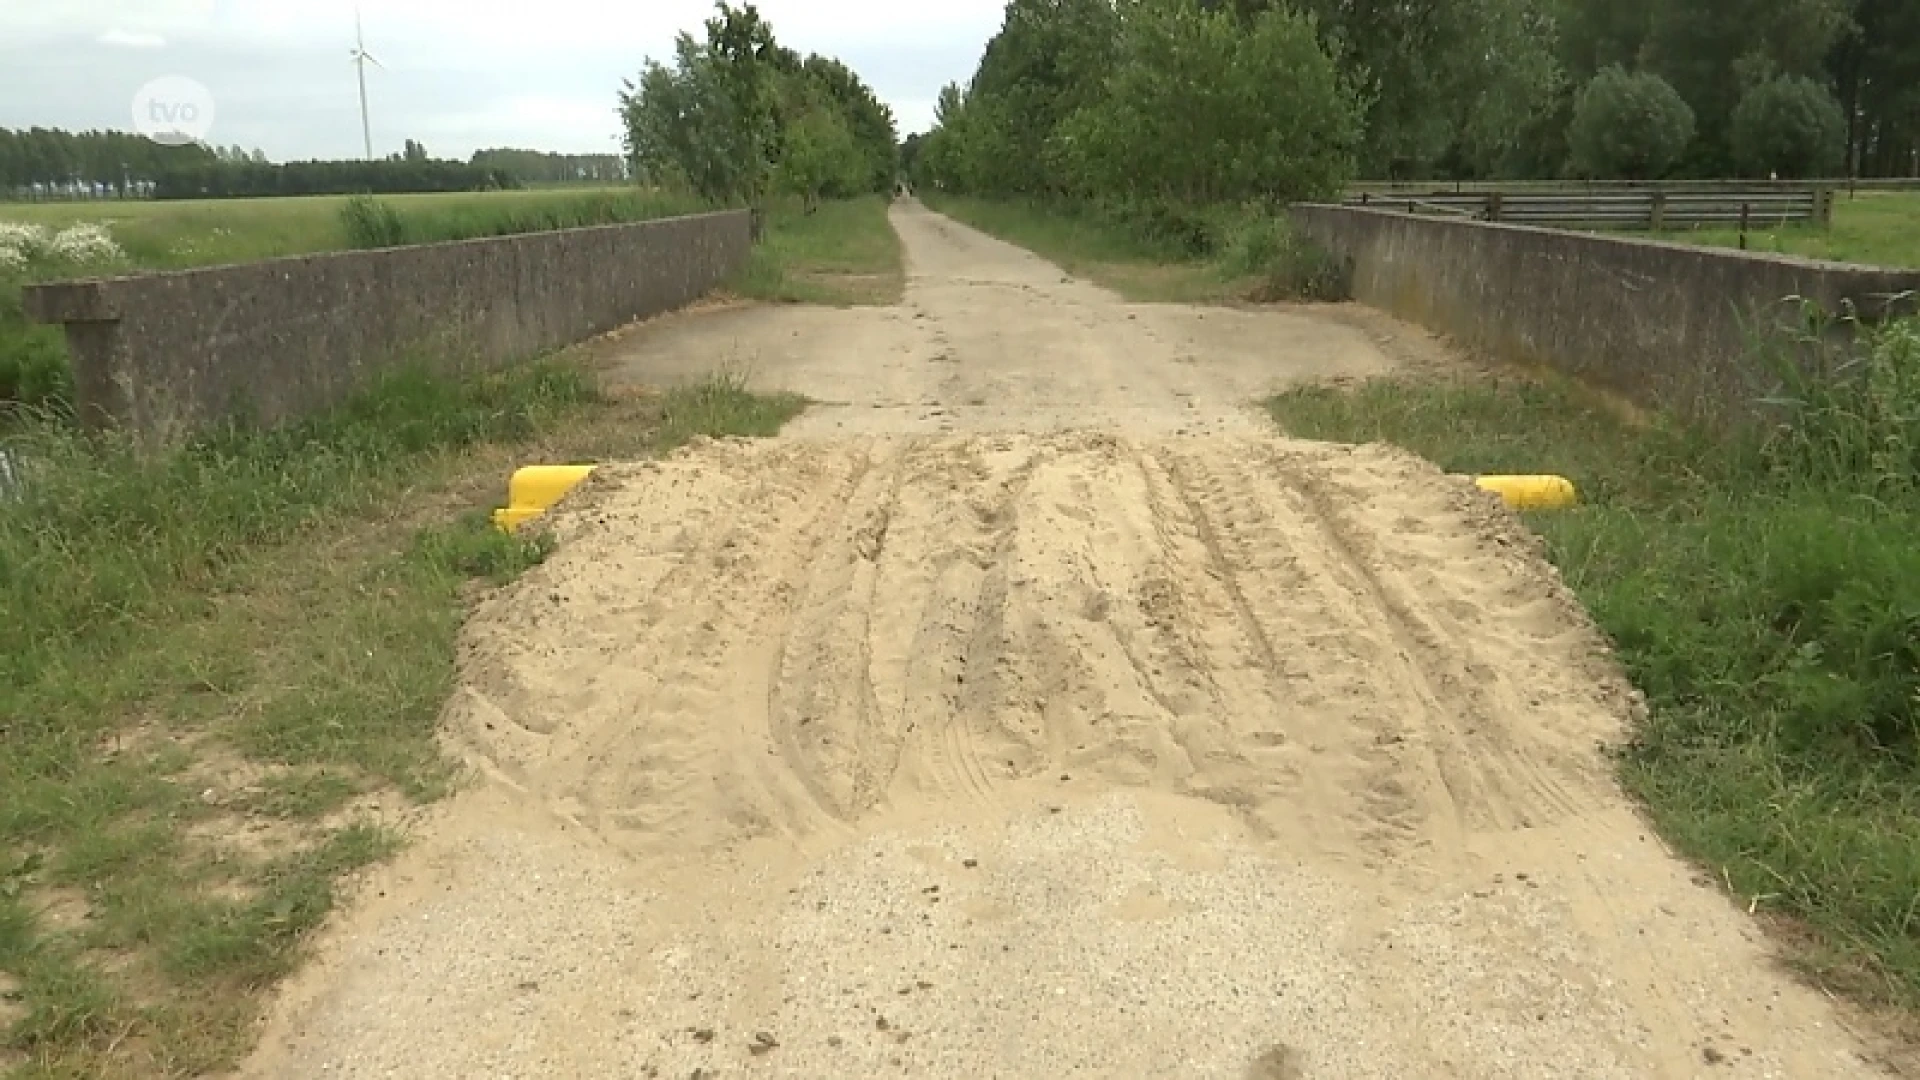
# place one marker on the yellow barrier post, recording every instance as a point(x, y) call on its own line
point(532, 491)
point(1531, 492)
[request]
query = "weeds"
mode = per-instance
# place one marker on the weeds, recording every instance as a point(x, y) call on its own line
point(1764, 592)
point(216, 665)
point(370, 223)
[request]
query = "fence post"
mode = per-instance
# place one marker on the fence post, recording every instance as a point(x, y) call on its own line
point(1657, 216)
point(1746, 214)
point(1494, 199)
point(1823, 205)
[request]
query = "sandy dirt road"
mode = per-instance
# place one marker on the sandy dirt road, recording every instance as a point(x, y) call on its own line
point(1031, 711)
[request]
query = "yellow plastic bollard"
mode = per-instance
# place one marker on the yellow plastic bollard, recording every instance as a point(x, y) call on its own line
point(1531, 492)
point(532, 491)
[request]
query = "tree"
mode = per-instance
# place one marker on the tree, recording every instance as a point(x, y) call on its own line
point(1875, 68)
point(725, 117)
point(414, 152)
point(1790, 126)
point(1201, 109)
point(1714, 51)
point(822, 158)
point(1628, 126)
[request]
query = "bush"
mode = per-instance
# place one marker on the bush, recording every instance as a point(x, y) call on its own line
point(1170, 228)
point(1628, 126)
point(370, 223)
point(1287, 265)
point(1791, 126)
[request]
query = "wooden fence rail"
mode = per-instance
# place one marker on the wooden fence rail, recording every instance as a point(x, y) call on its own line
point(1643, 209)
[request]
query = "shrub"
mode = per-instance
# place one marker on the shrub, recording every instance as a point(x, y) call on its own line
point(1287, 265)
point(370, 223)
point(1789, 125)
point(1628, 126)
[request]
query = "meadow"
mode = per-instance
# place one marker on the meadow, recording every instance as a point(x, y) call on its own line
point(173, 235)
point(1878, 228)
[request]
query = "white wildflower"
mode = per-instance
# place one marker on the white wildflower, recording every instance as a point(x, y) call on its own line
point(86, 244)
point(21, 244)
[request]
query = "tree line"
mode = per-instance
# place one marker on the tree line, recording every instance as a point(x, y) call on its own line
point(49, 156)
point(392, 176)
point(1203, 100)
point(538, 167)
point(736, 116)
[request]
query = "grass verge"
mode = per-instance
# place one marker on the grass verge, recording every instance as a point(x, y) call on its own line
point(220, 675)
point(845, 253)
point(1764, 592)
point(1152, 252)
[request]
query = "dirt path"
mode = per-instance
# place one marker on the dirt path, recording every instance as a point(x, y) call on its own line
point(1100, 733)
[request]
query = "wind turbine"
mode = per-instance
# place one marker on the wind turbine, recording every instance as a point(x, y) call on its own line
point(361, 58)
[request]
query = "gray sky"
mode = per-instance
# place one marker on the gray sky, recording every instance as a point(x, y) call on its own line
point(459, 75)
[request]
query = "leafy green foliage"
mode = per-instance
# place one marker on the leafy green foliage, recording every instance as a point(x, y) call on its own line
point(821, 158)
point(1790, 126)
point(723, 119)
point(1202, 108)
point(1628, 126)
point(1448, 84)
point(370, 223)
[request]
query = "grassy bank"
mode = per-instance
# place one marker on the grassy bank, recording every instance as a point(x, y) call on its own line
point(1765, 594)
point(1879, 228)
point(220, 674)
point(844, 253)
point(1155, 253)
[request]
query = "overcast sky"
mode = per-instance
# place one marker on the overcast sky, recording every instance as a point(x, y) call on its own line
point(459, 74)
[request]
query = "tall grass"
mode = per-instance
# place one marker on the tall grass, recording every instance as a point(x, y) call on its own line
point(844, 253)
point(1763, 590)
point(374, 223)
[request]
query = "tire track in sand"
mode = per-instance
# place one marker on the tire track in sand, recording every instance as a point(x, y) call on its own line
point(1079, 743)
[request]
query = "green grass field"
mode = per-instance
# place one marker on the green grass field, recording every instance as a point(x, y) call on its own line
point(178, 234)
point(1878, 228)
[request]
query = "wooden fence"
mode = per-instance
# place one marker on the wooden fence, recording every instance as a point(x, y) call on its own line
point(1643, 209)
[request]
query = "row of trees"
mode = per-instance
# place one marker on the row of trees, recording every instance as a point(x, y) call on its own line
point(737, 116)
point(1220, 98)
point(1148, 99)
point(536, 167)
point(394, 175)
point(49, 156)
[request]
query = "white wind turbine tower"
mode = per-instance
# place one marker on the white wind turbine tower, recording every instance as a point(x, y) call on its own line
point(361, 58)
